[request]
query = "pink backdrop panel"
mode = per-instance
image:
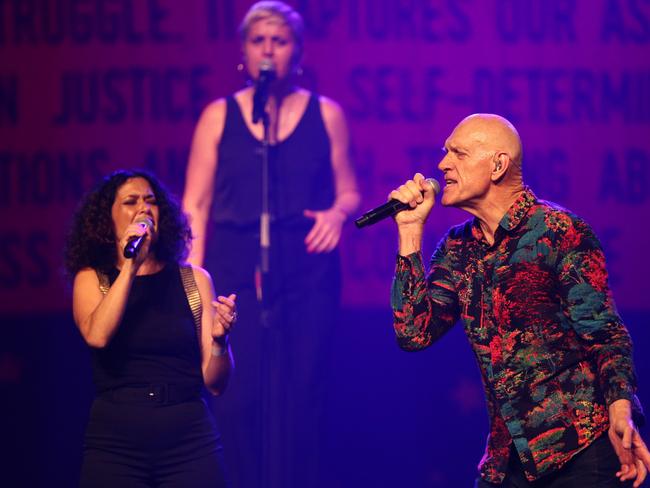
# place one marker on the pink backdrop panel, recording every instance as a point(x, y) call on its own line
point(88, 87)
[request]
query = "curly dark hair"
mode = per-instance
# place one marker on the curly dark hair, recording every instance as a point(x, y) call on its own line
point(91, 239)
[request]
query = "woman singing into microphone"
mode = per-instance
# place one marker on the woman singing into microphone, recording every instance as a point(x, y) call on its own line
point(312, 193)
point(158, 336)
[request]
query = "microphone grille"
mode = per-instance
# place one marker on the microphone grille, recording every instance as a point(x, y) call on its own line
point(267, 65)
point(435, 185)
point(145, 220)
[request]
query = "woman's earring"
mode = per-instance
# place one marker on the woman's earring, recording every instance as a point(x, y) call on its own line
point(240, 67)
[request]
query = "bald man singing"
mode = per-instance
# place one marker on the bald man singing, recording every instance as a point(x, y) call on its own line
point(527, 280)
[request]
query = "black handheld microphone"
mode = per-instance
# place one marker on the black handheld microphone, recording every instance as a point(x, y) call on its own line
point(134, 243)
point(388, 209)
point(262, 86)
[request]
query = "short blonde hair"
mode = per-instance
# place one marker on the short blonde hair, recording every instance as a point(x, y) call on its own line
point(274, 8)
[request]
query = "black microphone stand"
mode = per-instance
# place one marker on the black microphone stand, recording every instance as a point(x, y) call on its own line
point(262, 292)
point(265, 217)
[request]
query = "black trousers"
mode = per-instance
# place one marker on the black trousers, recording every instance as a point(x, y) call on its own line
point(594, 467)
point(138, 445)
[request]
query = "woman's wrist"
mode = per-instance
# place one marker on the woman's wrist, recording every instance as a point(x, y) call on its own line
point(220, 346)
point(128, 269)
point(340, 211)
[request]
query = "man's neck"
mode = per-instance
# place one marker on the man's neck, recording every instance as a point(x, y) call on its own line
point(491, 209)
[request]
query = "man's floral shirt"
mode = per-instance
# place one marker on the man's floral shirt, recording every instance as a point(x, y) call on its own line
point(539, 315)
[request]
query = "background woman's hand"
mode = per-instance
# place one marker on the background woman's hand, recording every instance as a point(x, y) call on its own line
point(325, 233)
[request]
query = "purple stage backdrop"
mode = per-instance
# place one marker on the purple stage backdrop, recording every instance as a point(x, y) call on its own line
point(90, 86)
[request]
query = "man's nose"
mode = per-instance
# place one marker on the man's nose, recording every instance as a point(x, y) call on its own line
point(443, 165)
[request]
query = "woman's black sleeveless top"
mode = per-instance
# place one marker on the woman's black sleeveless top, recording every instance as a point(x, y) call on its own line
point(300, 172)
point(156, 341)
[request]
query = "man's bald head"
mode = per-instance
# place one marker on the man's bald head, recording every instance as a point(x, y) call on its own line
point(494, 133)
point(482, 162)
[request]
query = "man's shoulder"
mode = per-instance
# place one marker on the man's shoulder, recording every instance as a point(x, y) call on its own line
point(558, 218)
point(549, 207)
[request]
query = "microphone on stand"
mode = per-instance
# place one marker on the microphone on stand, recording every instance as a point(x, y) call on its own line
point(262, 86)
point(134, 243)
point(390, 208)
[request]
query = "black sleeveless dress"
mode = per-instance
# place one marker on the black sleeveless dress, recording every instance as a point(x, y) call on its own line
point(274, 406)
point(148, 424)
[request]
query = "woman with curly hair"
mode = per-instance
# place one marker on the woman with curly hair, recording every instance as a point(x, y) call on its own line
point(158, 335)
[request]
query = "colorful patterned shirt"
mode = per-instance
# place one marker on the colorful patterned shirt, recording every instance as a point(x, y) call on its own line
point(539, 315)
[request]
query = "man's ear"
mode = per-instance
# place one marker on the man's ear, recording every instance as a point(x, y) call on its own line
point(501, 163)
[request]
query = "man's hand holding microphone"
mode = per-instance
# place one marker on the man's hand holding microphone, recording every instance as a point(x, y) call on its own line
point(420, 195)
point(410, 206)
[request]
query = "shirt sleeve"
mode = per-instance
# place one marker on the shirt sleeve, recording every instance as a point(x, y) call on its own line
point(590, 307)
point(424, 308)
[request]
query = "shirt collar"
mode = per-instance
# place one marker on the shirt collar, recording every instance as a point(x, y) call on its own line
point(513, 216)
point(518, 210)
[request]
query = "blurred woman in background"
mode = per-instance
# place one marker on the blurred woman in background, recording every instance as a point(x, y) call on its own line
point(275, 408)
